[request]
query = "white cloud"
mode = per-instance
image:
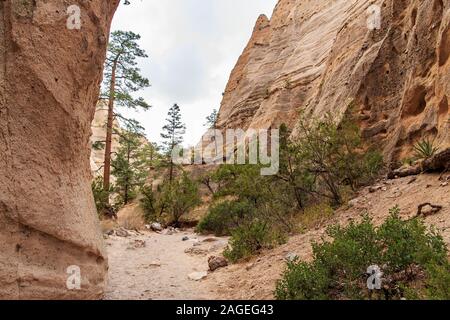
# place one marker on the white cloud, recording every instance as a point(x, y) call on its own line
point(192, 47)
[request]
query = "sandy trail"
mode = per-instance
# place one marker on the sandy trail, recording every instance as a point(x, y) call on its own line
point(159, 271)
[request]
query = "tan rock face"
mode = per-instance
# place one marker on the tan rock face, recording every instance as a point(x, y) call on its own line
point(320, 56)
point(99, 135)
point(49, 82)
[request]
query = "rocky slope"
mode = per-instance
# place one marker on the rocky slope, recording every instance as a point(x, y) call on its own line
point(320, 56)
point(49, 82)
point(256, 279)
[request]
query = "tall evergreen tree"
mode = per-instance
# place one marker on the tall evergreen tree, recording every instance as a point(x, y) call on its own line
point(131, 164)
point(121, 79)
point(172, 134)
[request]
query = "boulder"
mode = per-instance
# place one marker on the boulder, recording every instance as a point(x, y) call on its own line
point(215, 263)
point(157, 227)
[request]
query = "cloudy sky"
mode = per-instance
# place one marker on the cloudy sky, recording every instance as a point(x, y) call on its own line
point(192, 46)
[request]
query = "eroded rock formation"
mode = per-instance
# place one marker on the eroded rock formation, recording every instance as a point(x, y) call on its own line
point(320, 56)
point(49, 82)
point(98, 139)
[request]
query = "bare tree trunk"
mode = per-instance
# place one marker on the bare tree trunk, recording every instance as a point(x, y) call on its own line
point(109, 131)
point(50, 77)
point(127, 179)
point(171, 170)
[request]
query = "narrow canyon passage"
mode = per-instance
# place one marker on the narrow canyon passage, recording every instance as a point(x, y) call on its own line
point(152, 266)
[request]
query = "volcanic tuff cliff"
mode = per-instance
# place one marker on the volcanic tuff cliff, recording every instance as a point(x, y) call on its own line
point(320, 56)
point(49, 83)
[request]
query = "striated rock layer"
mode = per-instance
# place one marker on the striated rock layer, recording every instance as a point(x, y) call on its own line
point(320, 56)
point(49, 82)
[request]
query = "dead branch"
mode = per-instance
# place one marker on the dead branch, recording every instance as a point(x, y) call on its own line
point(434, 209)
point(437, 163)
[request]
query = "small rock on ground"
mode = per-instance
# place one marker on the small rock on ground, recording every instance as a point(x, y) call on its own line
point(197, 276)
point(215, 263)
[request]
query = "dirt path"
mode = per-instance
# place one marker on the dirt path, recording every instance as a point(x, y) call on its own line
point(159, 270)
point(132, 275)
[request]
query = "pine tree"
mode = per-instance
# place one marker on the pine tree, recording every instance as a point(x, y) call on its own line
point(211, 120)
point(121, 79)
point(131, 164)
point(172, 134)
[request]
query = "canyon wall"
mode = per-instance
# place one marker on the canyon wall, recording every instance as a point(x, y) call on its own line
point(320, 56)
point(98, 128)
point(49, 82)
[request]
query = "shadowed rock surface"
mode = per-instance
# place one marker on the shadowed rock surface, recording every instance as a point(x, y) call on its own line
point(49, 83)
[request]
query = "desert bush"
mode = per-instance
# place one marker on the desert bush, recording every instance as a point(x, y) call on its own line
point(100, 195)
point(314, 216)
point(150, 204)
point(318, 167)
point(253, 209)
point(179, 197)
point(242, 182)
point(425, 149)
point(222, 218)
point(331, 154)
point(250, 239)
point(406, 251)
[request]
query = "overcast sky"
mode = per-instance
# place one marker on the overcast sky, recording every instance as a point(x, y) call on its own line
point(192, 46)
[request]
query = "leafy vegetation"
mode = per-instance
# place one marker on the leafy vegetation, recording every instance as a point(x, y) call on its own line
point(425, 149)
point(121, 79)
point(179, 197)
point(172, 134)
point(317, 170)
point(149, 203)
point(100, 195)
point(131, 164)
point(329, 158)
point(413, 261)
point(171, 200)
point(250, 239)
point(225, 216)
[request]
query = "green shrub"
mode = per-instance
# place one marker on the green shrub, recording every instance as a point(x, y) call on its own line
point(179, 197)
point(438, 286)
point(224, 217)
point(332, 156)
point(397, 236)
point(373, 163)
point(100, 195)
point(149, 204)
point(314, 216)
point(250, 239)
point(303, 281)
point(413, 261)
point(425, 149)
